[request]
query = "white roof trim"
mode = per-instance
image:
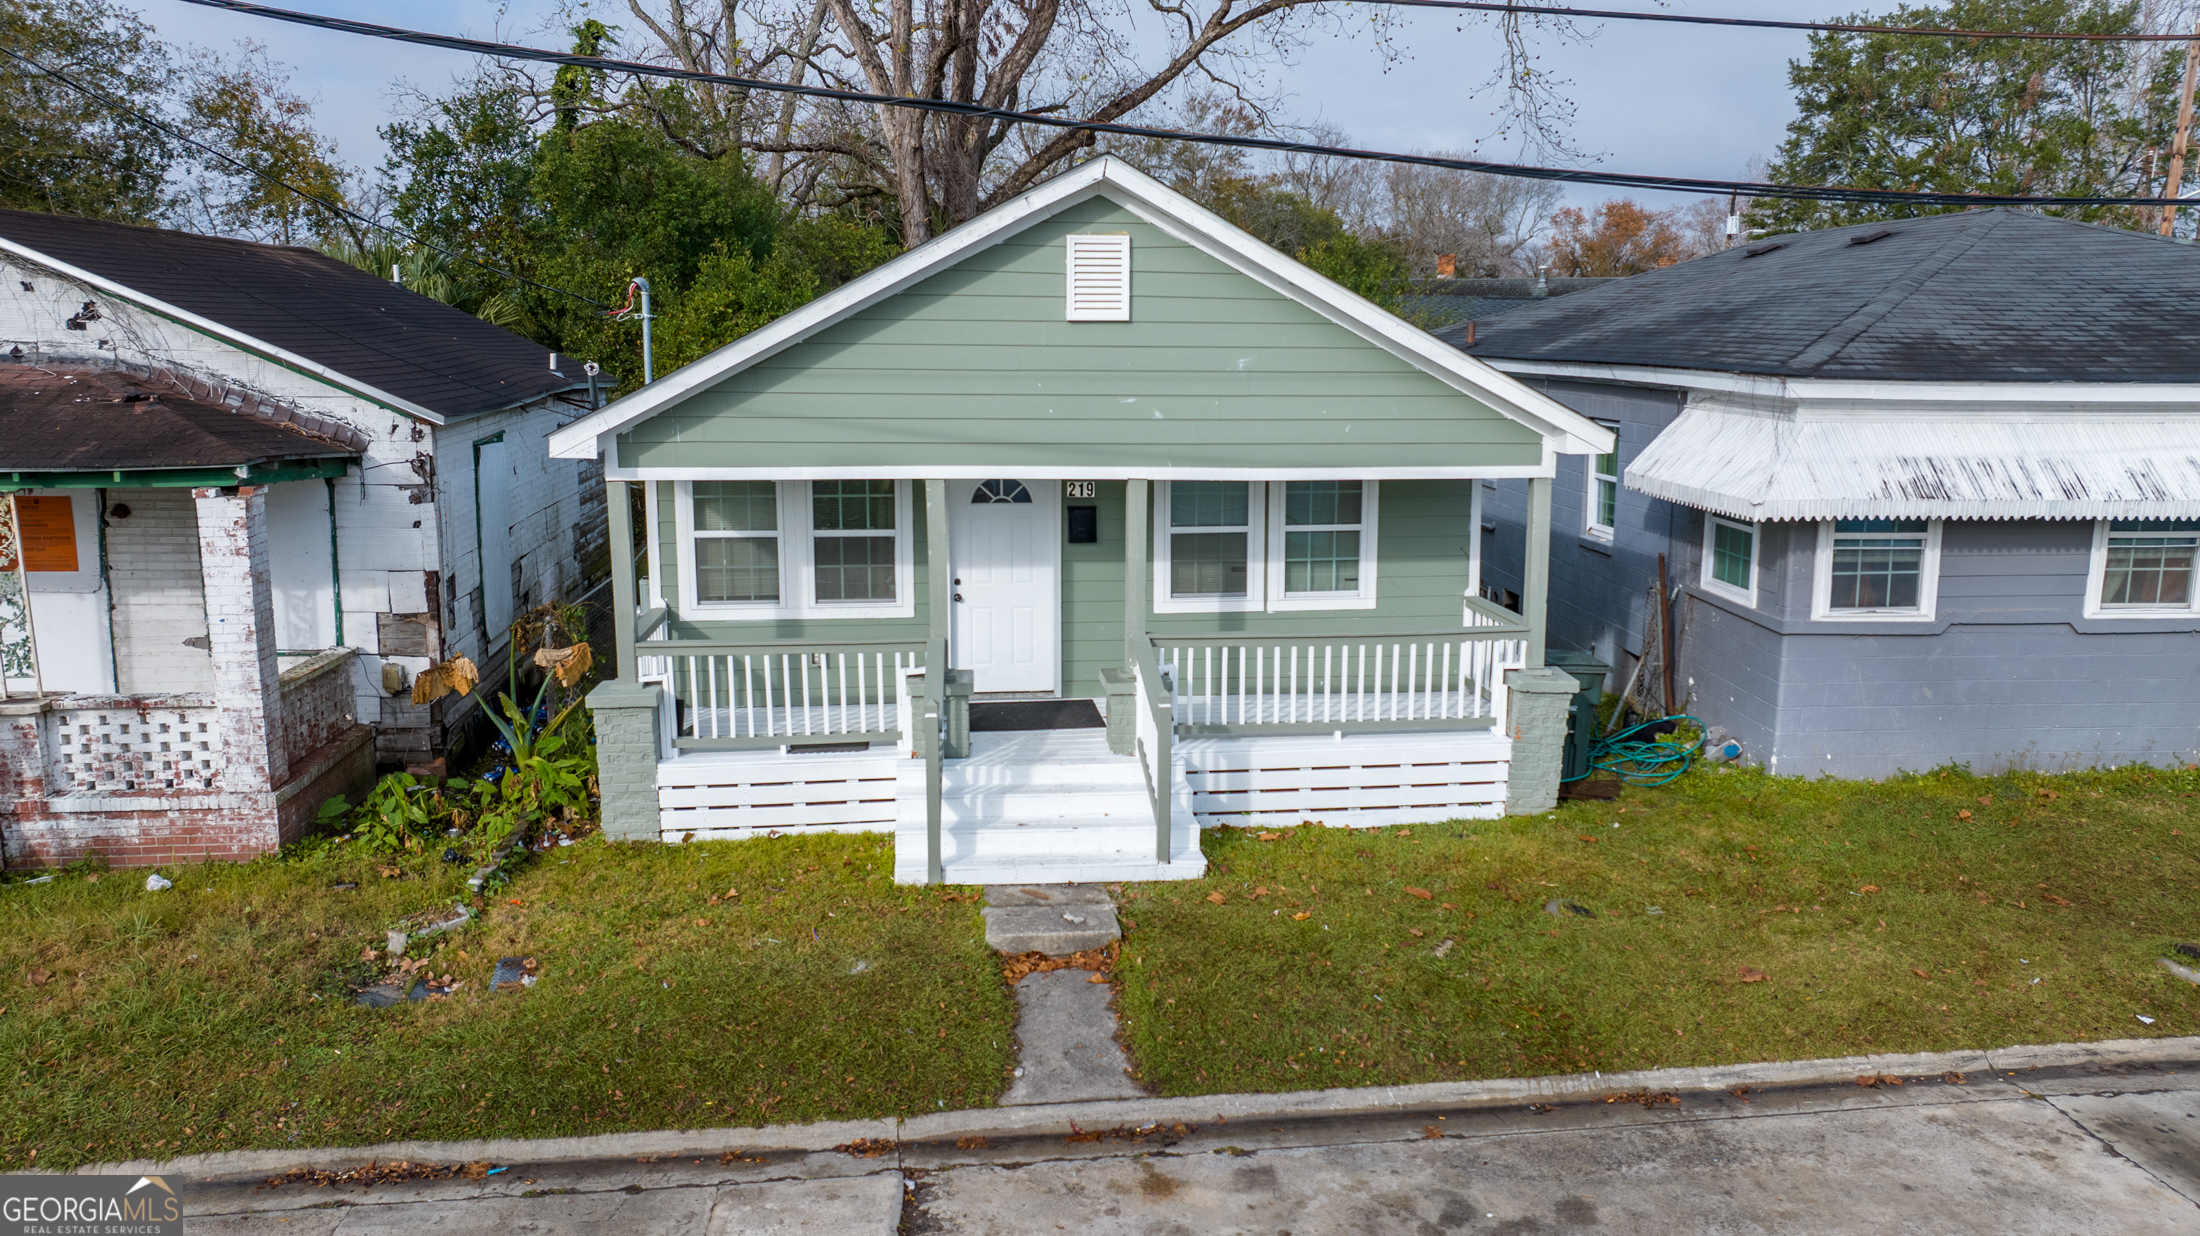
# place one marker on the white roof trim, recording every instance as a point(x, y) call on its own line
point(1052, 472)
point(1750, 466)
point(1565, 430)
point(281, 356)
point(2170, 395)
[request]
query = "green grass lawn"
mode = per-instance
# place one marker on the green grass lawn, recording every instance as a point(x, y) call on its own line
point(214, 1015)
point(1737, 917)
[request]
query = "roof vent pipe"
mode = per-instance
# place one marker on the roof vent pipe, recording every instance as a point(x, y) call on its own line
point(1542, 281)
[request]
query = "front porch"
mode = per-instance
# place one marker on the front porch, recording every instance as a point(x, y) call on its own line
point(707, 735)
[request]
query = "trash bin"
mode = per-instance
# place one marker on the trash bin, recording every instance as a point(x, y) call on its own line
point(1581, 721)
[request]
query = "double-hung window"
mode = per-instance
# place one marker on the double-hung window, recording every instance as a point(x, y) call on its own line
point(2143, 568)
point(1222, 546)
point(792, 549)
point(1877, 569)
point(1601, 512)
point(1730, 559)
point(737, 542)
point(852, 529)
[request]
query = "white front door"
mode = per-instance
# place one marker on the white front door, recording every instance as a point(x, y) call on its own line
point(1005, 540)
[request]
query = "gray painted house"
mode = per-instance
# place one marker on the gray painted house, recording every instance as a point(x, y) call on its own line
point(1095, 454)
point(1926, 489)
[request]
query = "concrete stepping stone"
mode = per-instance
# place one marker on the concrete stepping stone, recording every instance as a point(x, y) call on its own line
point(1065, 1032)
point(1054, 919)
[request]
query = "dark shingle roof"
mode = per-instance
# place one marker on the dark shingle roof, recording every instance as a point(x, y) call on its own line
point(61, 419)
point(1986, 295)
point(363, 327)
point(1446, 302)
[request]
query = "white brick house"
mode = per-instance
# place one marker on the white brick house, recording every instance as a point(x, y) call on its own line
point(270, 458)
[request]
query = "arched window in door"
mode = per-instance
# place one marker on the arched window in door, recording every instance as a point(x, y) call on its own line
point(999, 491)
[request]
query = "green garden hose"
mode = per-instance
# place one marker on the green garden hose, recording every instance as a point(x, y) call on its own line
point(1643, 763)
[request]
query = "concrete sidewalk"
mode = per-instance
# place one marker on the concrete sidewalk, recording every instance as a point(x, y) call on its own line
point(2071, 1139)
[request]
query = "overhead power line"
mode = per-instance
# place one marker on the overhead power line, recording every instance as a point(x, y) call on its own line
point(1765, 23)
point(1622, 180)
point(153, 122)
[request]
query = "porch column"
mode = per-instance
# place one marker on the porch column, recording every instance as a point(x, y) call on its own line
point(1135, 504)
point(1539, 696)
point(941, 590)
point(624, 603)
point(240, 632)
point(1535, 571)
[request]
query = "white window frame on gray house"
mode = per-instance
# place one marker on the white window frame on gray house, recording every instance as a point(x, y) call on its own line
point(1267, 533)
point(1830, 538)
point(798, 539)
point(1744, 592)
point(2136, 537)
point(1596, 521)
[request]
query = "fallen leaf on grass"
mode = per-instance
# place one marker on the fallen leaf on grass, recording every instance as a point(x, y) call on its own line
point(1301, 917)
point(1098, 978)
point(2050, 793)
point(1268, 837)
point(1422, 893)
point(39, 978)
point(1869, 888)
point(1964, 814)
point(1415, 931)
point(1920, 973)
point(391, 873)
point(1751, 974)
point(2060, 900)
point(1217, 898)
point(1588, 839)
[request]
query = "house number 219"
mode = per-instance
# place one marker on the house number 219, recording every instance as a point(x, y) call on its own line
point(1079, 489)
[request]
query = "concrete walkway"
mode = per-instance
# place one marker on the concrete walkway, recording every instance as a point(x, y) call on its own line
point(2074, 1139)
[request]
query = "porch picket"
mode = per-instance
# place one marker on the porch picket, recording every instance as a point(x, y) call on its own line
point(788, 692)
point(1241, 684)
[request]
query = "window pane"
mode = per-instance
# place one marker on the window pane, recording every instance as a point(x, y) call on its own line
point(1607, 503)
point(1207, 564)
point(852, 506)
point(1877, 574)
point(736, 506)
point(1321, 562)
point(2149, 571)
point(1208, 504)
point(2155, 525)
point(737, 568)
point(1608, 465)
point(855, 568)
point(1730, 551)
point(1879, 525)
point(1321, 502)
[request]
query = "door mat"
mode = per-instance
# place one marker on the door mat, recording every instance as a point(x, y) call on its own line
point(1035, 715)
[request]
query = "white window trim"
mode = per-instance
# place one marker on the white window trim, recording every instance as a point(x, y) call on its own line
point(2096, 579)
point(1928, 584)
point(1363, 597)
point(1719, 587)
point(1589, 525)
point(797, 564)
point(1264, 569)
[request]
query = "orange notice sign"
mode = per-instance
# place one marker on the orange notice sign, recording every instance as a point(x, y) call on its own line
point(48, 528)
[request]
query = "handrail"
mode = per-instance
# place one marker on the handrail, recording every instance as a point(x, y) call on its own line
point(773, 647)
point(728, 695)
point(1158, 709)
point(1493, 616)
point(1302, 638)
point(928, 734)
point(1223, 685)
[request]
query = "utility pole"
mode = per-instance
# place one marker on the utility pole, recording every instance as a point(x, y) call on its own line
point(2184, 133)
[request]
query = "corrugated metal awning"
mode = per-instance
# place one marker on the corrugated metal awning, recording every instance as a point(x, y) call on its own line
point(1755, 466)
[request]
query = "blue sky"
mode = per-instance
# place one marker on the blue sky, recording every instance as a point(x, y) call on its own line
point(1652, 98)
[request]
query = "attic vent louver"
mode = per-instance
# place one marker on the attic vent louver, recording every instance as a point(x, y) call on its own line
point(1099, 278)
point(1761, 250)
point(1869, 237)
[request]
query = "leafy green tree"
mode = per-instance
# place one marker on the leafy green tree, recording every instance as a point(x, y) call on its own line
point(247, 109)
point(62, 151)
point(1886, 111)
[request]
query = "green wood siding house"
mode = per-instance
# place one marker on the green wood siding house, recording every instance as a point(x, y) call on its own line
point(1167, 470)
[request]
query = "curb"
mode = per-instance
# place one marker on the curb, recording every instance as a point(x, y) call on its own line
point(1056, 1118)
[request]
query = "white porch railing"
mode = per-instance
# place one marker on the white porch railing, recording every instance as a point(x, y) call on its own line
point(782, 692)
point(1156, 731)
point(1236, 684)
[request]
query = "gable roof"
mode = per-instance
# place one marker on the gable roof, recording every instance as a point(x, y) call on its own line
point(1561, 429)
point(1442, 302)
point(78, 419)
point(302, 308)
point(2000, 295)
